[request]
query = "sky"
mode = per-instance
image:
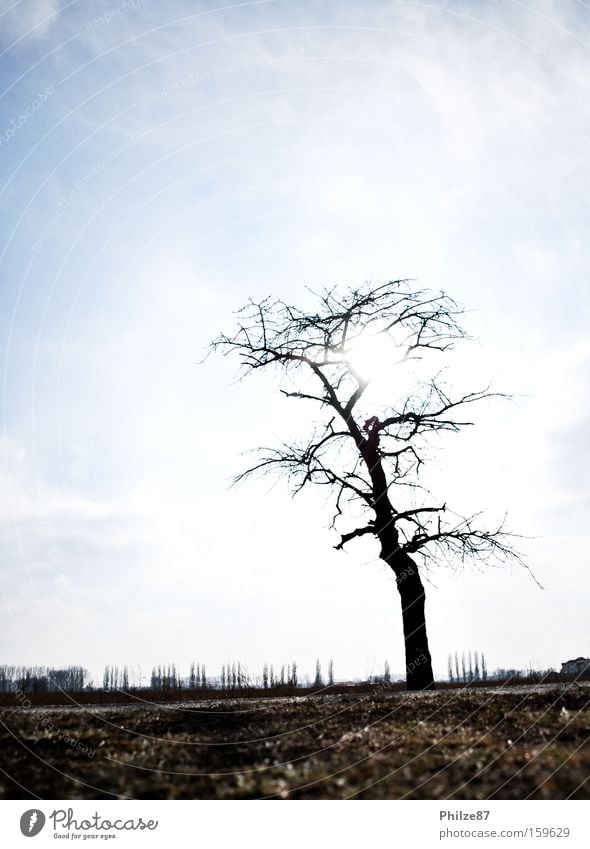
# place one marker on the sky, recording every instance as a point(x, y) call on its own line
point(162, 163)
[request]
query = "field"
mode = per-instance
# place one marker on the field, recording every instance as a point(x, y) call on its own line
point(514, 743)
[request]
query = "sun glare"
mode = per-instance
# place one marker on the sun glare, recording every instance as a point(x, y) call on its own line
point(375, 356)
point(392, 374)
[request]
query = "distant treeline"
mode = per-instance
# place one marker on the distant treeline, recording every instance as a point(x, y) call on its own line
point(472, 667)
point(166, 678)
point(42, 679)
point(463, 668)
point(233, 676)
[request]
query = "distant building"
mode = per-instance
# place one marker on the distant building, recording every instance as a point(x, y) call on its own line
point(576, 667)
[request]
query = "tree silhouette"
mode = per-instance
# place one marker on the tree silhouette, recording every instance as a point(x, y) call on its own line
point(318, 681)
point(450, 668)
point(476, 666)
point(367, 450)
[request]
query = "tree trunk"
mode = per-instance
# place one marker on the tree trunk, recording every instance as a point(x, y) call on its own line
point(418, 661)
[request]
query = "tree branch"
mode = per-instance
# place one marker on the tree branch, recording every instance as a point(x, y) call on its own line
point(359, 532)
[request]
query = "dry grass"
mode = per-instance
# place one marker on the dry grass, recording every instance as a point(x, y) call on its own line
point(471, 744)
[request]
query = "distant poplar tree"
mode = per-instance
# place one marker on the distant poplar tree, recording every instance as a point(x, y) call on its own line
point(387, 673)
point(463, 666)
point(331, 672)
point(450, 667)
point(457, 676)
point(484, 670)
point(318, 675)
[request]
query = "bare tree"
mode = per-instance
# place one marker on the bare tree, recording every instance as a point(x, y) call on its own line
point(318, 681)
point(368, 451)
point(450, 668)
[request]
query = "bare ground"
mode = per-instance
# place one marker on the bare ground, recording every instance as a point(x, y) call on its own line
point(530, 742)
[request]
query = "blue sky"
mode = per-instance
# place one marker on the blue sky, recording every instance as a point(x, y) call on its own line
point(175, 160)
